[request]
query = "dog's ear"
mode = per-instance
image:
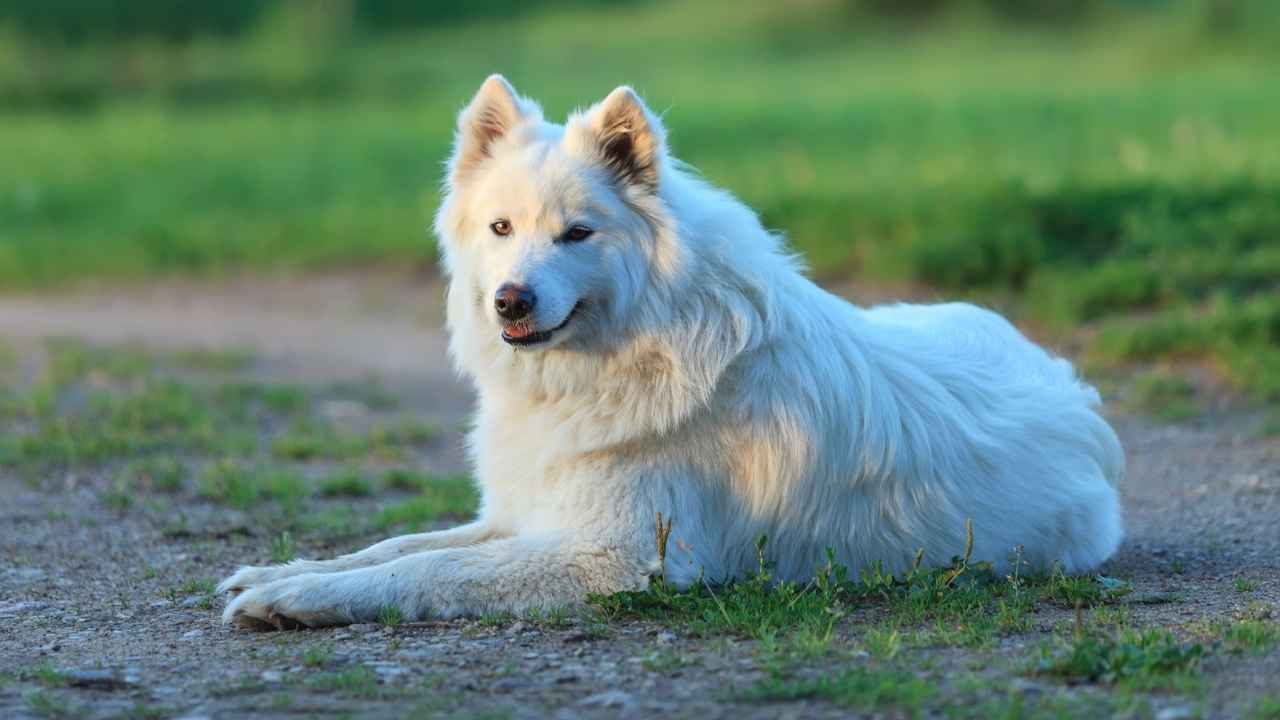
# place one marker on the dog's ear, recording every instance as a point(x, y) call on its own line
point(628, 138)
point(493, 113)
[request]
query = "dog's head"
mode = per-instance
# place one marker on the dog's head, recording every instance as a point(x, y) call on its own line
point(550, 232)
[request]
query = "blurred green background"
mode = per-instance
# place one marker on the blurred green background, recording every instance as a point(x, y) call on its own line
point(1112, 165)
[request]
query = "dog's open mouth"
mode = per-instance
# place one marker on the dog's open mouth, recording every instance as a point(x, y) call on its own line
point(521, 334)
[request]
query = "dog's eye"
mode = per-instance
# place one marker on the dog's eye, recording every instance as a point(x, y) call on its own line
point(577, 233)
point(500, 227)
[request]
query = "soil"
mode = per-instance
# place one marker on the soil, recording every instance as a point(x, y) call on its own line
point(88, 591)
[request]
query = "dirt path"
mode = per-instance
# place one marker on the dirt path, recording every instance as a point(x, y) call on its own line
point(100, 617)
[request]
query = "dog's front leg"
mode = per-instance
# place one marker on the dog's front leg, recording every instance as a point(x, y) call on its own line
point(511, 575)
point(473, 533)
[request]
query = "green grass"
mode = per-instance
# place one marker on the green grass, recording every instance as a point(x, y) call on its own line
point(1121, 171)
point(757, 607)
point(1165, 396)
point(317, 656)
point(285, 486)
point(859, 688)
point(283, 548)
point(43, 704)
point(309, 440)
point(45, 674)
point(151, 442)
point(886, 690)
point(439, 499)
point(95, 406)
point(390, 616)
point(358, 682)
point(123, 411)
point(347, 483)
point(160, 474)
point(1142, 660)
point(1267, 708)
point(231, 482)
point(1251, 637)
point(961, 605)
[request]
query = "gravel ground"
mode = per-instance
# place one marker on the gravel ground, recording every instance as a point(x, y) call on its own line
point(104, 597)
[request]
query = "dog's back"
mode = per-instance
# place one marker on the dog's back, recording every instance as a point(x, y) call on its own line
point(953, 416)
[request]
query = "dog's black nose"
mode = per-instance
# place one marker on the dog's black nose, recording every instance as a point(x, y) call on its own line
point(514, 302)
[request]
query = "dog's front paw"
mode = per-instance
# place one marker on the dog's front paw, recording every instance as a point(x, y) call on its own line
point(246, 577)
point(249, 576)
point(288, 604)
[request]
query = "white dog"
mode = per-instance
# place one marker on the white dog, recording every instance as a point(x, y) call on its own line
point(641, 345)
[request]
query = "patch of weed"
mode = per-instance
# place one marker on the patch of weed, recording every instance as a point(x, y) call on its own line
point(339, 521)
point(226, 360)
point(282, 548)
point(1267, 708)
point(43, 704)
point(45, 674)
point(442, 498)
point(231, 482)
point(346, 483)
point(285, 486)
point(241, 397)
point(757, 607)
point(496, 619)
point(118, 496)
point(317, 656)
point(311, 441)
point(555, 617)
point(390, 616)
point(160, 474)
point(965, 603)
point(406, 480)
point(1165, 396)
point(1253, 637)
point(1142, 660)
point(883, 642)
point(360, 682)
point(1083, 590)
point(1270, 425)
point(202, 590)
point(861, 688)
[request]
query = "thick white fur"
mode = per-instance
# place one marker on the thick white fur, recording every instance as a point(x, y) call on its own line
point(704, 378)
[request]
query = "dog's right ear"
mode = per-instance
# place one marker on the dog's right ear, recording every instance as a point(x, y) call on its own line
point(494, 112)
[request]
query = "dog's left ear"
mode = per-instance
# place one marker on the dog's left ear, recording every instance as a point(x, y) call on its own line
point(628, 138)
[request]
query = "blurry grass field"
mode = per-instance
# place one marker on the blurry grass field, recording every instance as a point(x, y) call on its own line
point(1124, 173)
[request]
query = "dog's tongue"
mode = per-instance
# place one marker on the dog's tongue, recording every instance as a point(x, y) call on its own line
point(518, 331)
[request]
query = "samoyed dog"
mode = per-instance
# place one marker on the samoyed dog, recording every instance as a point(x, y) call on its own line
point(641, 345)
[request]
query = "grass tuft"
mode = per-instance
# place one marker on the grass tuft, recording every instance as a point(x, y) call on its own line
point(864, 689)
point(390, 616)
point(283, 548)
point(1143, 660)
point(442, 498)
point(346, 483)
point(1167, 397)
point(1251, 637)
point(358, 682)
